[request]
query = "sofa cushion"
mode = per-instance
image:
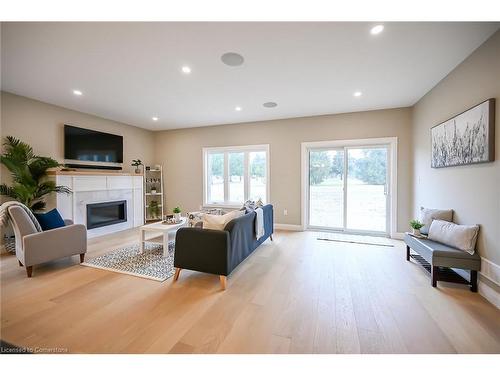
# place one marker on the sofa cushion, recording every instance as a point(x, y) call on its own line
point(462, 237)
point(50, 220)
point(427, 215)
point(218, 222)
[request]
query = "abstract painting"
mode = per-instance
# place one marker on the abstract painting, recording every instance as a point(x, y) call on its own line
point(467, 138)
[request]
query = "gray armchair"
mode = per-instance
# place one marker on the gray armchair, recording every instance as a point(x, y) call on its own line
point(34, 247)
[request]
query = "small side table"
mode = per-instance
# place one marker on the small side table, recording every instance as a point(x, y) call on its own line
point(159, 227)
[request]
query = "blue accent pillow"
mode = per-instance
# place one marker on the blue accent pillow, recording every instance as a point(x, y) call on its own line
point(50, 220)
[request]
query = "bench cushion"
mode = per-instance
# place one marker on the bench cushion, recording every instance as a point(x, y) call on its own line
point(442, 255)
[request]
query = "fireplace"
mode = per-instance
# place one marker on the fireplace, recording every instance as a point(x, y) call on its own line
point(106, 213)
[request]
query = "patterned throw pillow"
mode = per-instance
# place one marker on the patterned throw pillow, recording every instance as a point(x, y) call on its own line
point(249, 206)
point(194, 218)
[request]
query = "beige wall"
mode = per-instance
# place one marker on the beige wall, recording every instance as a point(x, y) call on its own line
point(180, 152)
point(41, 125)
point(473, 191)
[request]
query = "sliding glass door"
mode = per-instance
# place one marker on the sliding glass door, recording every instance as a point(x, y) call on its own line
point(326, 188)
point(348, 189)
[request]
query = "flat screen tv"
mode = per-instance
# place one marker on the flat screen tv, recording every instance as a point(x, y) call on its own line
point(90, 148)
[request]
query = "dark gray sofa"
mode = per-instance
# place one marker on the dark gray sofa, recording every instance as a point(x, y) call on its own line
point(442, 259)
point(220, 251)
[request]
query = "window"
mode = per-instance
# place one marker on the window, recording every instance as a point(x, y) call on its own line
point(233, 175)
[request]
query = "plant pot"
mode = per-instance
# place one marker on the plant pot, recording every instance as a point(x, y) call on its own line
point(177, 216)
point(416, 232)
point(138, 170)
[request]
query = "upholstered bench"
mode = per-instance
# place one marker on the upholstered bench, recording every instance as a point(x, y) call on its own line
point(439, 259)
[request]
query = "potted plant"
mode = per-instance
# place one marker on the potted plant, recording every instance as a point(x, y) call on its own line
point(416, 226)
point(137, 163)
point(154, 209)
point(29, 175)
point(177, 213)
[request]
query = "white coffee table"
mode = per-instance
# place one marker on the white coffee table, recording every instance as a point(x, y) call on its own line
point(159, 228)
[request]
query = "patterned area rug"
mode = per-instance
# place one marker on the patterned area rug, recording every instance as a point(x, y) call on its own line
point(128, 260)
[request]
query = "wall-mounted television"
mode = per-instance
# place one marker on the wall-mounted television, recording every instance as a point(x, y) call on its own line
point(85, 148)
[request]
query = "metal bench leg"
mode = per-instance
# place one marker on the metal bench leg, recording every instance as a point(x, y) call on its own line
point(407, 253)
point(434, 275)
point(473, 281)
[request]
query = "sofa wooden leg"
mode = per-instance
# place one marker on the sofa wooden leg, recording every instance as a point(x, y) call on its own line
point(407, 253)
point(177, 273)
point(473, 281)
point(271, 237)
point(434, 275)
point(82, 258)
point(29, 270)
point(20, 264)
point(223, 282)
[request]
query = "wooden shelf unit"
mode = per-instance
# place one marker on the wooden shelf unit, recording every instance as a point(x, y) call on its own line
point(153, 179)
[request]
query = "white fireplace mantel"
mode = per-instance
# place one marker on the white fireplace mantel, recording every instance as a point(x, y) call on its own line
point(101, 187)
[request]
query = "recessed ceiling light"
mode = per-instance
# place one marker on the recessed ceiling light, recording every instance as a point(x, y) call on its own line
point(357, 94)
point(186, 69)
point(377, 29)
point(154, 118)
point(77, 92)
point(270, 104)
point(237, 109)
point(232, 59)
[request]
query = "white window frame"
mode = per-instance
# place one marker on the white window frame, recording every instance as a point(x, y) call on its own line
point(233, 149)
point(391, 142)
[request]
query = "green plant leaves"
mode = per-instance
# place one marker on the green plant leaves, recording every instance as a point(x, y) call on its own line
point(28, 173)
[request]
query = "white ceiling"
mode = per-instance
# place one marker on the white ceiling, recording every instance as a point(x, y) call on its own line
point(130, 72)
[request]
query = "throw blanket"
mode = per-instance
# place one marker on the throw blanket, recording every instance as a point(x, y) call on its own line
point(5, 217)
point(259, 223)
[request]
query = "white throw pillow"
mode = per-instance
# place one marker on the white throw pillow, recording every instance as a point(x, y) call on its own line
point(218, 222)
point(462, 237)
point(427, 215)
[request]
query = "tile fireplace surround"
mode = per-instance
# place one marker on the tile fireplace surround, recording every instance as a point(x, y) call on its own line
point(90, 188)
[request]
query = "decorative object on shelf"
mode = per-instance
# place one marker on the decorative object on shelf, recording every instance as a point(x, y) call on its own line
point(154, 210)
point(177, 213)
point(416, 226)
point(467, 138)
point(29, 173)
point(153, 191)
point(137, 163)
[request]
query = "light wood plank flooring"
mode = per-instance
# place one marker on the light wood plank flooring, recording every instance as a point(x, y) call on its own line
point(293, 295)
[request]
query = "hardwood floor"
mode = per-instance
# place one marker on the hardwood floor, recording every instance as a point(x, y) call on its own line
point(293, 295)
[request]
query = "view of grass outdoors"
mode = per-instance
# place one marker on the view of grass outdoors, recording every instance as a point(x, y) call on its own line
point(366, 182)
point(236, 187)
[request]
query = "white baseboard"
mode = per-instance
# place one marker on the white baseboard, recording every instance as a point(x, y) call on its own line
point(292, 227)
point(489, 293)
point(398, 236)
point(490, 271)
